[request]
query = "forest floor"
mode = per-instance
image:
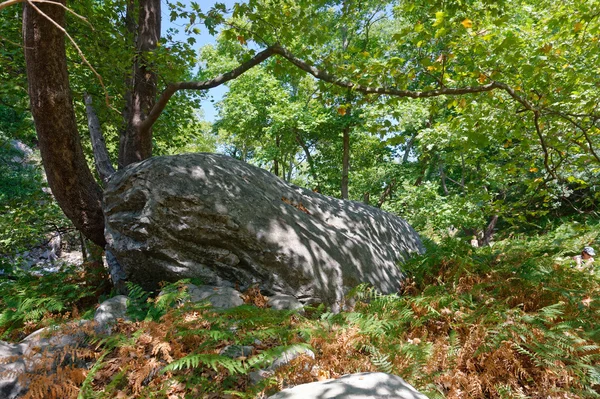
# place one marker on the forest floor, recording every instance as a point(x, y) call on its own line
point(506, 321)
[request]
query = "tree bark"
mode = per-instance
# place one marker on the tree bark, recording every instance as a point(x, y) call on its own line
point(367, 197)
point(387, 193)
point(290, 169)
point(488, 233)
point(276, 160)
point(69, 177)
point(443, 179)
point(409, 145)
point(136, 144)
point(346, 146)
point(345, 161)
point(309, 159)
point(131, 27)
point(101, 158)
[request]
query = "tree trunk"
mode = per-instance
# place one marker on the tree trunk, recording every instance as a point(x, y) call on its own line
point(345, 161)
point(136, 146)
point(69, 177)
point(366, 197)
point(386, 193)
point(443, 179)
point(131, 27)
point(276, 160)
point(488, 233)
point(290, 169)
point(424, 161)
point(409, 145)
point(309, 159)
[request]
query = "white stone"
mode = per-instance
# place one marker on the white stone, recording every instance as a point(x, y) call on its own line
point(354, 386)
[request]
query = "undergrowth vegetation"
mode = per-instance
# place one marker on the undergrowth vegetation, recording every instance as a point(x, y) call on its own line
point(513, 320)
point(32, 302)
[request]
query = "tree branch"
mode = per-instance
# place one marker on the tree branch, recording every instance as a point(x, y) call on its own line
point(386, 193)
point(204, 85)
point(584, 131)
point(325, 76)
point(9, 3)
point(101, 158)
point(538, 130)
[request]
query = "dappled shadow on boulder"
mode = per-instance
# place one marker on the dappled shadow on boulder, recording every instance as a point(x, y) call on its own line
point(229, 223)
point(354, 386)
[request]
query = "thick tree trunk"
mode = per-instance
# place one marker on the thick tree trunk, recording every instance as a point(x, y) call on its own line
point(69, 177)
point(131, 26)
point(135, 145)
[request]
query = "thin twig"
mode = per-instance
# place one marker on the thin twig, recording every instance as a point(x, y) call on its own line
point(13, 2)
point(84, 19)
point(3, 39)
point(9, 3)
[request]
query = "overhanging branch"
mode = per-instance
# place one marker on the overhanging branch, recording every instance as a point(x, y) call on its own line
point(172, 88)
point(325, 76)
point(10, 3)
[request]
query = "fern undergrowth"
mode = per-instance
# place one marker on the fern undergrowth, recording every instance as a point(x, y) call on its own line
point(509, 321)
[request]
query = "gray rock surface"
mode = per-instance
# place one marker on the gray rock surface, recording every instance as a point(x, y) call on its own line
point(227, 222)
point(285, 302)
point(109, 311)
point(21, 358)
point(12, 366)
point(282, 360)
point(237, 351)
point(219, 297)
point(354, 386)
point(54, 338)
point(286, 357)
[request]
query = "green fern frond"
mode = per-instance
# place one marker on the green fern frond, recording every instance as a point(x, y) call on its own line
point(209, 360)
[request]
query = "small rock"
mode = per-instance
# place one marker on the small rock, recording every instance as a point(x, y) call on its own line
point(286, 357)
point(237, 351)
point(282, 360)
point(219, 297)
point(285, 302)
point(23, 358)
point(354, 386)
point(259, 375)
point(109, 311)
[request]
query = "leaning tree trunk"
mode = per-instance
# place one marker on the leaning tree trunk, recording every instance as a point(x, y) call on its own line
point(68, 174)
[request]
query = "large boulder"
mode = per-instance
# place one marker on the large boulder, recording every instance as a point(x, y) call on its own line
point(229, 223)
